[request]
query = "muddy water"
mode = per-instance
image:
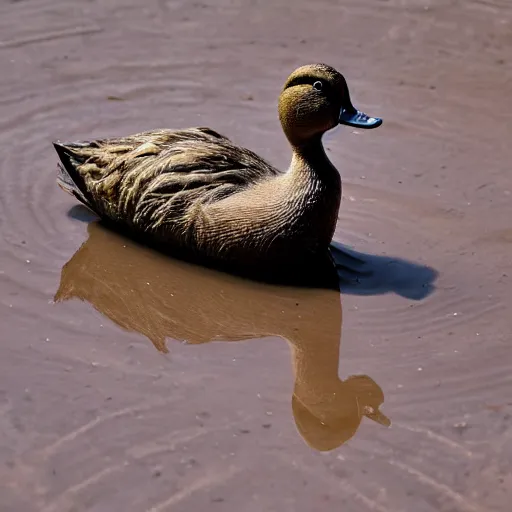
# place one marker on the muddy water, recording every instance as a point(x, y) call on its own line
point(132, 382)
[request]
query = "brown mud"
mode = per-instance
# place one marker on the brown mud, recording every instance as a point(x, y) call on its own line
point(393, 396)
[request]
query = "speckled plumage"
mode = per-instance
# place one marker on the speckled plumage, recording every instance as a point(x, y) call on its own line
point(196, 191)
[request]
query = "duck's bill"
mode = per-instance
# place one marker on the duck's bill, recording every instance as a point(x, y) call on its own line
point(358, 119)
point(379, 417)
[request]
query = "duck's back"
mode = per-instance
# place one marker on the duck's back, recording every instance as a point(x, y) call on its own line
point(151, 180)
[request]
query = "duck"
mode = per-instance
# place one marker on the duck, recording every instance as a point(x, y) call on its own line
point(198, 195)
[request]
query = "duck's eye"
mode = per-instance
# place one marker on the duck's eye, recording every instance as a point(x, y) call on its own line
point(318, 85)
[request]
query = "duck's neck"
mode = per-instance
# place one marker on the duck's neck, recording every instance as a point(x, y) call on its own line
point(311, 164)
point(312, 173)
point(316, 368)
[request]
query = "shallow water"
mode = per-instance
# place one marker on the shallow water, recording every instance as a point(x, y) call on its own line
point(230, 412)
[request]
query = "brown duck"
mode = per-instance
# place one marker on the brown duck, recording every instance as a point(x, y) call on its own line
point(195, 192)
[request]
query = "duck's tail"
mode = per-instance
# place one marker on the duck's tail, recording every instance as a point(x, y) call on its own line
point(68, 178)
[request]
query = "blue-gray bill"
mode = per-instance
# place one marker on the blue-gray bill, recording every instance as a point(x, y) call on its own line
point(357, 119)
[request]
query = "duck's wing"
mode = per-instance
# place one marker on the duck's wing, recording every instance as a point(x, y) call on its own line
point(132, 179)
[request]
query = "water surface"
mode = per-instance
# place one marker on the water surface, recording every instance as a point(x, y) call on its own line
point(258, 397)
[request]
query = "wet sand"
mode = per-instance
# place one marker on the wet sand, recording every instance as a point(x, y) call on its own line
point(130, 381)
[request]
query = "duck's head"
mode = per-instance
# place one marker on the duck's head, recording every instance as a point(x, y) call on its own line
point(327, 421)
point(315, 98)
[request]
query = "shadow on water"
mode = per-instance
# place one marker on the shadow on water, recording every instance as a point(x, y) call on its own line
point(376, 275)
point(143, 291)
point(82, 214)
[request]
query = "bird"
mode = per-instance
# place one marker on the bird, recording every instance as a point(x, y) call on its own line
point(198, 195)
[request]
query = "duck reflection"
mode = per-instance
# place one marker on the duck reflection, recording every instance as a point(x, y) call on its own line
point(144, 291)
